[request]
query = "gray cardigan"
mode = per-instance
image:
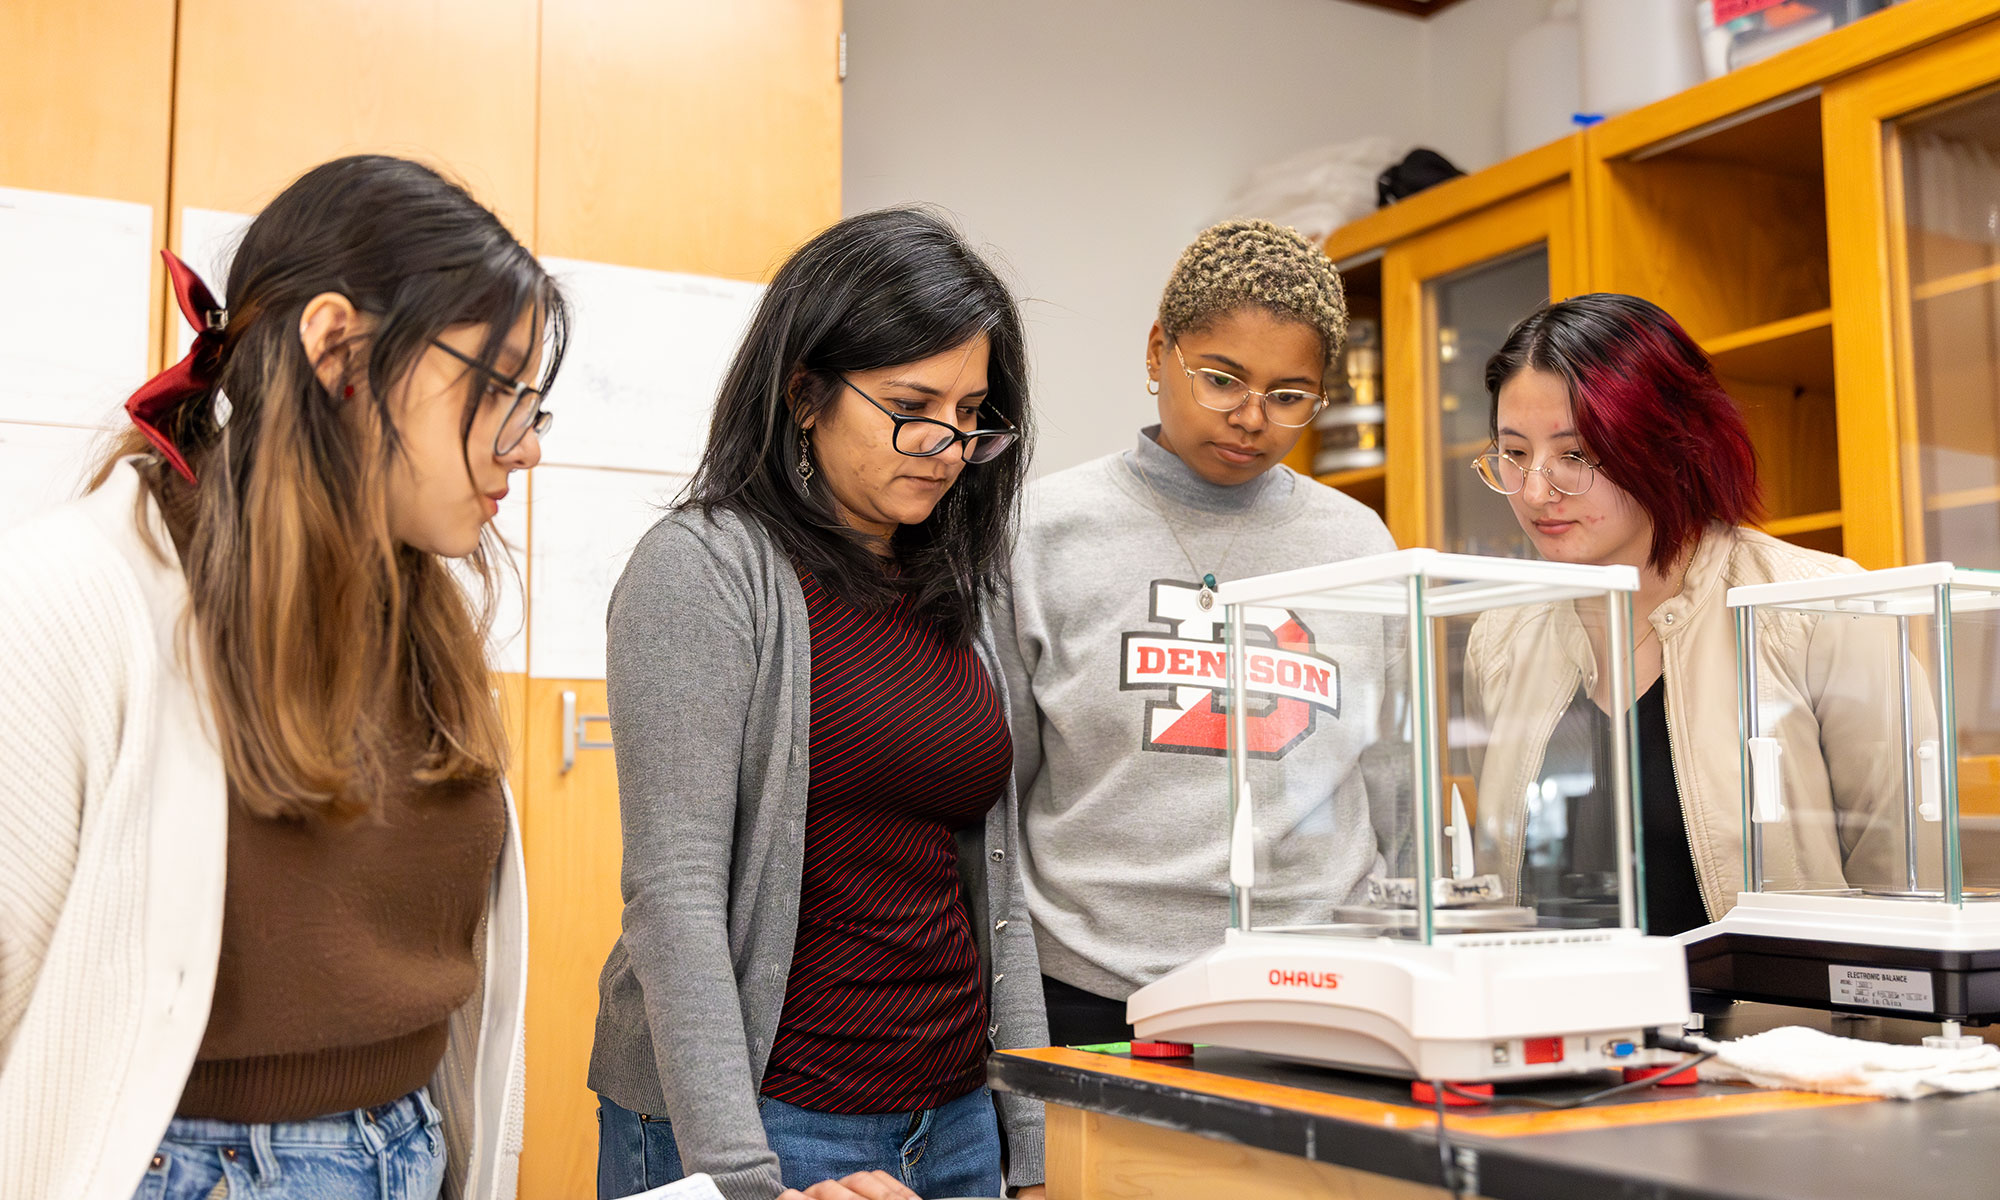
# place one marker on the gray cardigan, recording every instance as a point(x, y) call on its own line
point(710, 676)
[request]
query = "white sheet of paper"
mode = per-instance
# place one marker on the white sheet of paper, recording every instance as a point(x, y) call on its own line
point(208, 243)
point(41, 466)
point(647, 352)
point(694, 1187)
point(586, 521)
point(74, 313)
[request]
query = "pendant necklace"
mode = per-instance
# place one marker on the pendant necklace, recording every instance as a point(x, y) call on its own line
point(1205, 599)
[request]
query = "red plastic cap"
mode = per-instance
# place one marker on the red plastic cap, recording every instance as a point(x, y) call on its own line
point(1162, 1050)
point(1680, 1077)
point(1424, 1093)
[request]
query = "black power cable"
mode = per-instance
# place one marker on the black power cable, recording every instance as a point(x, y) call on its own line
point(1448, 1173)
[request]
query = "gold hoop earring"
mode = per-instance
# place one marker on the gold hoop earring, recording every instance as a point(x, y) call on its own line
point(1152, 387)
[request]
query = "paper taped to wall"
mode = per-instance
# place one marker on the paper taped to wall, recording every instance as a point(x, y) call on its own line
point(74, 316)
point(647, 352)
point(586, 522)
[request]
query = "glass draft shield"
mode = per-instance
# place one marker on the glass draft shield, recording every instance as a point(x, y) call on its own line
point(1425, 744)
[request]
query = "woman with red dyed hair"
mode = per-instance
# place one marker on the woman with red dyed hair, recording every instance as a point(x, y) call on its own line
point(1614, 443)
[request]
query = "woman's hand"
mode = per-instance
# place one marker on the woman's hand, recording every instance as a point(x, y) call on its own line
point(868, 1185)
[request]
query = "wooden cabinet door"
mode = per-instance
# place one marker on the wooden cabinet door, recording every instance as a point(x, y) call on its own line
point(674, 136)
point(86, 93)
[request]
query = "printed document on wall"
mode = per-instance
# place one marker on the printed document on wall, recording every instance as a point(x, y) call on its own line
point(585, 520)
point(647, 352)
point(74, 311)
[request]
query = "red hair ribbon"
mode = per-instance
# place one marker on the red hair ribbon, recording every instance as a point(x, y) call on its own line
point(191, 377)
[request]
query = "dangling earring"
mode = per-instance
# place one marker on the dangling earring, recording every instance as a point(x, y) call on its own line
point(805, 456)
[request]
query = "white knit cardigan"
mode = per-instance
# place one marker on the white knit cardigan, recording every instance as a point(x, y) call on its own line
point(113, 827)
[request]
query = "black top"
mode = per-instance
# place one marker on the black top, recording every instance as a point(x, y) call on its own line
point(1673, 893)
point(1570, 869)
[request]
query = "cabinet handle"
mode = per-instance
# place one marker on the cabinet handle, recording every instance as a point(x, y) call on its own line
point(576, 731)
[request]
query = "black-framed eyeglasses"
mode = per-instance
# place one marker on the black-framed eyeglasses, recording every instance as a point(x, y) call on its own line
point(1568, 474)
point(1219, 391)
point(524, 411)
point(927, 437)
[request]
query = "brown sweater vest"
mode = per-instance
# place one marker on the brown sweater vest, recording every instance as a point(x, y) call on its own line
point(346, 945)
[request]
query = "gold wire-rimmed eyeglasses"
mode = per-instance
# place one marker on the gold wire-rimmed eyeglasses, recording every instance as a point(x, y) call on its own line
point(1569, 474)
point(1219, 391)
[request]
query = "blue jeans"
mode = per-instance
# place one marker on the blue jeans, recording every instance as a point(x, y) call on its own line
point(391, 1152)
point(950, 1150)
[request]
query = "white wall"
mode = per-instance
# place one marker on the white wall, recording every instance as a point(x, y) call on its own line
point(1465, 76)
point(1084, 142)
point(1087, 141)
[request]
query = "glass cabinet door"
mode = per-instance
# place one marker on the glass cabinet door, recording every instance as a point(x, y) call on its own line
point(1449, 298)
point(1913, 229)
point(1471, 313)
point(1913, 154)
point(1949, 159)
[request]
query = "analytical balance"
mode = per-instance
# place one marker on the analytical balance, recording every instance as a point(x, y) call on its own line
point(1499, 934)
point(1870, 711)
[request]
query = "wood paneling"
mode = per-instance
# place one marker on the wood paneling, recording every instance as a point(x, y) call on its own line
point(85, 103)
point(270, 88)
point(569, 827)
point(84, 85)
point(724, 152)
point(1092, 1156)
point(675, 136)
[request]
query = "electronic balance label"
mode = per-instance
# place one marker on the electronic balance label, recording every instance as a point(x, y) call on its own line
point(1878, 987)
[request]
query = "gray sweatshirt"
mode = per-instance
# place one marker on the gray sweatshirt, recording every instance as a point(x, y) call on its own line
point(710, 677)
point(1116, 687)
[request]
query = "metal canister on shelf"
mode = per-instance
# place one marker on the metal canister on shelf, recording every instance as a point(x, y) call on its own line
point(1350, 428)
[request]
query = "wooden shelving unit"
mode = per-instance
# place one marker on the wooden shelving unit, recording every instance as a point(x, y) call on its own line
point(1792, 350)
point(1366, 484)
point(1963, 498)
point(1764, 210)
point(1818, 522)
point(1961, 282)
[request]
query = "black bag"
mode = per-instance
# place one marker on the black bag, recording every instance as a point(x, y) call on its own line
point(1419, 169)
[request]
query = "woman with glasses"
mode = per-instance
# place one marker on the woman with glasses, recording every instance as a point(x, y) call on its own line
point(824, 928)
point(261, 903)
point(1614, 444)
point(1114, 642)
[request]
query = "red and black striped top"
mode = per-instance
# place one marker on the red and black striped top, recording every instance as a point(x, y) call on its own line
point(885, 1010)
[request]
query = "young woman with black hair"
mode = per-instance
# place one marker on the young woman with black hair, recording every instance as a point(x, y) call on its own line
point(261, 914)
point(824, 927)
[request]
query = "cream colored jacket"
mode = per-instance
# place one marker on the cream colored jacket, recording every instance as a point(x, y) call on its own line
point(113, 822)
point(1825, 682)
